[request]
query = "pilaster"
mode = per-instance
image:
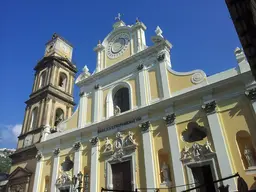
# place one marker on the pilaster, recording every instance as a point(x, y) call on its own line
point(94, 163)
point(219, 143)
point(148, 155)
point(38, 172)
point(96, 103)
point(142, 87)
point(173, 136)
point(77, 157)
point(82, 110)
point(55, 166)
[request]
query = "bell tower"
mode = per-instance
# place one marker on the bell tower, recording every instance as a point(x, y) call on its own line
point(51, 100)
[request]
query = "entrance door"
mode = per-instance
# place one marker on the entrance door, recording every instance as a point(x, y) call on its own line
point(64, 190)
point(203, 175)
point(122, 176)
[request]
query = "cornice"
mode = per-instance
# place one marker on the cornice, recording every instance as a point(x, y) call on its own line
point(136, 57)
point(37, 130)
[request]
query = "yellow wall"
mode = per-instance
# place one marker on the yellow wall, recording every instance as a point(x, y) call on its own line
point(177, 83)
point(236, 115)
point(132, 82)
point(72, 122)
point(125, 55)
point(89, 110)
point(153, 85)
point(46, 167)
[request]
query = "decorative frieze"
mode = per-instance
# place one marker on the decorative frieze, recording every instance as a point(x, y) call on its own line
point(94, 141)
point(145, 126)
point(170, 118)
point(39, 156)
point(209, 107)
point(56, 151)
point(196, 152)
point(77, 145)
point(251, 94)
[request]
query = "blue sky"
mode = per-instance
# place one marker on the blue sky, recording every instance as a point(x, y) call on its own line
point(201, 32)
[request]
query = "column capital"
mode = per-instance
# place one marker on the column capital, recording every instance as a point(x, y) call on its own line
point(81, 94)
point(77, 145)
point(169, 118)
point(56, 151)
point(251, 94)
point(209, 107)
point(39, 156)
point(94, 141)
point(96, 87)
point(145, 126)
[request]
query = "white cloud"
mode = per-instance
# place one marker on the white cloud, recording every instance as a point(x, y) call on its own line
point(9, 134)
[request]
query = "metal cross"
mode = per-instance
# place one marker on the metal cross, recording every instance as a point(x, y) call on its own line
point(118, 18)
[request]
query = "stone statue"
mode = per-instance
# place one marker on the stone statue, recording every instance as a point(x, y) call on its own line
point(108, 145)
point(208, 146)
point(117, 110)
point(165, 173)
point(186, 153)
point(249, 156)
point(130, 140)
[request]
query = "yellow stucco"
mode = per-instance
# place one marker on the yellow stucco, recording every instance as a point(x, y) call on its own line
point(178, 82)
point(89, 110)
point(125, 55)
point(46, 167)
point(72, 122)
point(154, 91)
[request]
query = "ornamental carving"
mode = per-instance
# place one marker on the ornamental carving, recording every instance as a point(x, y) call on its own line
point(209, 107)
point(97, 86)
point(140, 67)
point(197, 78)
point(196, 152)
point(145, 126)
point(251, 94)
point(161, 57)
point(56, 151)
point(81, 94)
point(170, 118)
point(39, 156)
point(94, 141)
point(65, 172)
point(194, 132)
point(121, 146)
point(17, 188)
point(77, 145)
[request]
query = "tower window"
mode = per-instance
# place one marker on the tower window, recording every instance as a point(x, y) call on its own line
point(59, 116)
point(121, 100)
point(62, 81)
point(42, 79)
point(33, 122)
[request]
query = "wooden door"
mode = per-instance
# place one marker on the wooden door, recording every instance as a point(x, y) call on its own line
point(121, 175)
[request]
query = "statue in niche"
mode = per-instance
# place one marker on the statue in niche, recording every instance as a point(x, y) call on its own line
point(165, 173)
point(249, 156)
point(129, 139)
point(117, 110)
point(194, 132)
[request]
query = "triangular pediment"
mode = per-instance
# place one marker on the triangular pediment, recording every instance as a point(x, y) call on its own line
point(19, 172)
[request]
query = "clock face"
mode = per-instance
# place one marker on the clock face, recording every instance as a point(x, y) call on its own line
point(117, 45)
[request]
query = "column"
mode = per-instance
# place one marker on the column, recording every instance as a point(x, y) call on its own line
point(38, 179)
point(162, 62)
point(94, 164)
point(34, 84)
point(25, 120)
point(98, 51)
point(53, 75)
point(175, 151)
point(77, 157)
point(148, 155)
point(219, 144)
point(142, 85)
point(96, 104)
point(55, 166)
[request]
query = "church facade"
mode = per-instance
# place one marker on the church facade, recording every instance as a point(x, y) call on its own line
point(139, 123)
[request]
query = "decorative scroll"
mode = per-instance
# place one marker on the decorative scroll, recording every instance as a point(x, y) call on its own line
point(77, 145)
point(169, 119)
point(56, 151)
point(209, 107)
point(94, 141)
point(145, 126)
point(39, 156)
point(251, 94)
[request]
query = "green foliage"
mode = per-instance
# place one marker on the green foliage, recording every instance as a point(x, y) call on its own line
point(5, 164)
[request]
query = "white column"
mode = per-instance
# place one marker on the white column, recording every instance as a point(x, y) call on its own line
point(219, 144)
point(94, 164)
point(55, 169)
point(96, 105)
point(163, 76)
point(142, 88)
point(148, 155)
point(175, 151)
point(38, 179)
point(77, 157)
point(82, 110)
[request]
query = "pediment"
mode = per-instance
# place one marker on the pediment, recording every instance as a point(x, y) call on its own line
point(19, 172)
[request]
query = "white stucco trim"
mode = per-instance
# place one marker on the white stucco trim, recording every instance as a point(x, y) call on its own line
point(149, 159)
point(38, 172)
point(175, 161)
point(110, 96)
point(164, 83)
point(95, 101)
point(54, 175)
point(221, 149)
point(94, 178)
point(142, 88)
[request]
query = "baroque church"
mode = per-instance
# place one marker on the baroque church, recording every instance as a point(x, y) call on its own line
point(139, 125)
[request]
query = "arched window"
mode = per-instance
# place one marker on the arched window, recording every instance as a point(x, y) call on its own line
point(246, 149)
point(59, 116)
point(121, 100)
point(62, 81)
point(34, 115)
point(42, 79)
